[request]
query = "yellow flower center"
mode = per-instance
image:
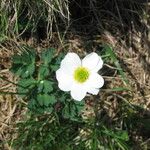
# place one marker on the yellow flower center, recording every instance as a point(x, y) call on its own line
point(81, 74)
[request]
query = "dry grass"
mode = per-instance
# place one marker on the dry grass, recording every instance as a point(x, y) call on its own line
point(32, 18)
point(11, 107)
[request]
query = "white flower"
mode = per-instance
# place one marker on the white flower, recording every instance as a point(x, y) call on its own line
point(80, 76)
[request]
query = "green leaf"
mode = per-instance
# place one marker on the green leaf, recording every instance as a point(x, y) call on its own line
point(53, 99)
point(54, 67)
point(27, 71)
point(56, 64)
point(24, 64)
point(17, 69)
point(22, 90)
point(49, 109)
point(73, 109)
point(16, 59)
point(45, 86)
point(59, 58)
point(122, 135)
point(79, 105)
point(32, 104)
point(25, 86)
point(40, 99)
point(68, 112)
point(31, 68)
point(47, 56)
point(46, 100)
point(119, 89)
point(27, 82)
point(109, 51)
point(26, 57)
point(43, 72)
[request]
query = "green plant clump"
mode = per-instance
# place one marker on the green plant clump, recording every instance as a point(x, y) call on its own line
point(37, 83)
point(54, 121)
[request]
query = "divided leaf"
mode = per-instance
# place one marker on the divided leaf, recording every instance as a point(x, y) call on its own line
point(43, 72)
point(47, 56)
point(55, 66)
point(45, 86)
point(73, 110)
point(26, 82)
point(46, 100)
point(25, 85)
point(24, 64)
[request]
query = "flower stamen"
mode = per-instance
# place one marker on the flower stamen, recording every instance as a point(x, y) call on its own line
point(81, 74)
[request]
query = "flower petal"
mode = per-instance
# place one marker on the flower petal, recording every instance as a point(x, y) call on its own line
point(95, 81)
point(78, 91)
point(92, 62)
point(93, 91)
point(64, 81)
point(70, 62)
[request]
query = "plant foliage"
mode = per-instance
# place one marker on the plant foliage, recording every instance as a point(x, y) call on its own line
point(54, 120)
point(38, 82)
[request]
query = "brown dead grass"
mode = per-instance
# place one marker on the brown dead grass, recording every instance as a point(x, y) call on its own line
point(10, 105)
point(136, 63)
